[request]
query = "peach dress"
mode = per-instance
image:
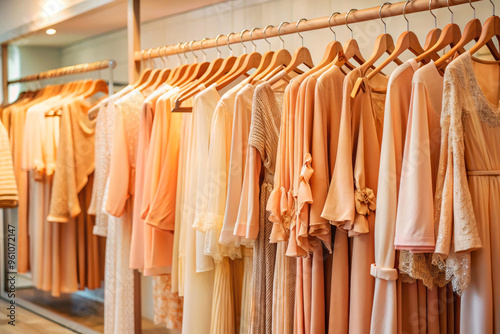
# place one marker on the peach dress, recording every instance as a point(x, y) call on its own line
point(387, 301)
point(414, 234)
point(350, 203)
point(468, 191)
point(70, 197)
point(326, 124)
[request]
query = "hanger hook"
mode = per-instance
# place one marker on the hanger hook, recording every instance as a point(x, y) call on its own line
point(166, 56)
point(228, 44)
point(380, 15)
point(179, 53)
point(330, 24)
point(251, 40)
point(491, 1)
point(203, 51)
point(241, 40)
point(191, 49)
point(346, 17)
point(279, 34)
point(298, 32)
point(161, 57)
point(435, 18)
point(406, 19)
point(264, 35)
point(216, 45)
point(448, 4)
point(473, 8)
point(143, 62)
point(149, 59)
point(184, 51)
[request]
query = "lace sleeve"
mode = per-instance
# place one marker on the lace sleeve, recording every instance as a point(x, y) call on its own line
point(455, 223)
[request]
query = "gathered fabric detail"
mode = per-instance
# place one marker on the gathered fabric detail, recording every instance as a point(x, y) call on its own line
point(365, 201)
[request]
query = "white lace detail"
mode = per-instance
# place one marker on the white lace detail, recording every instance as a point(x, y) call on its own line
point(475, 98)
point(413, 266)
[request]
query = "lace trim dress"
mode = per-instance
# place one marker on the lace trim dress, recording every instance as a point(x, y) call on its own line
point(468, 191)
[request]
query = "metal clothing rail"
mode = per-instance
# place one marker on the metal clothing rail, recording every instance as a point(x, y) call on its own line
point(68, 70)
point(353, 16)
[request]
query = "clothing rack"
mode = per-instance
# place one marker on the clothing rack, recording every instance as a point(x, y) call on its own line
point(352, 16)
point(68, 70)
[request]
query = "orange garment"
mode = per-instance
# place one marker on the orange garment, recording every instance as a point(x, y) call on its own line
point(351, 201)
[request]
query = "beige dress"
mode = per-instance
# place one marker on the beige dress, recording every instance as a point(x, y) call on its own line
point(468, 191)
point(262, 151)
point(196, 270)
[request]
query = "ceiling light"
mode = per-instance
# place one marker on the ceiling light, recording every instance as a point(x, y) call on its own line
point(50, 31)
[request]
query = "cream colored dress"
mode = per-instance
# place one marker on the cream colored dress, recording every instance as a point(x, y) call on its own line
point(385, 301)
point(211, 219)
point(196, 270)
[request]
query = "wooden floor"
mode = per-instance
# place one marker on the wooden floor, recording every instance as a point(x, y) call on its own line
point(83, 311)
point(27, 322)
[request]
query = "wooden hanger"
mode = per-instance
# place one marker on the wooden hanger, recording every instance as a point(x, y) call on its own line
point(96, 86)
point(164, 73)
point(491, 29)
point(473, 31)
point(300, 56)
point(264, 62)
point(209, 72)
point(383, 44)
point(351, 48)
point(198, 70)
point(280, 58)
point(450, 36)
point(143, 77)
point(251, 61)
point(177, 73)
point(333, 49)
point(237, 67)
point(217, 69)
point(153, 76)
point(434, 34)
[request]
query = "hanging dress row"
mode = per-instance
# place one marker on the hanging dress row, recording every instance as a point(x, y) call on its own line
point(52, 143)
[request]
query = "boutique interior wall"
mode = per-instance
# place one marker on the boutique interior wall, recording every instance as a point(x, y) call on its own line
point(234, 16)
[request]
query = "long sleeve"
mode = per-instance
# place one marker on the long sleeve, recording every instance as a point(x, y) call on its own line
point(120, 170)
point(162, 208)
point(415, 218)
point(74, 163)
point(339, 204)
point(320, 178)
point(247, 224)
point(241, 129)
